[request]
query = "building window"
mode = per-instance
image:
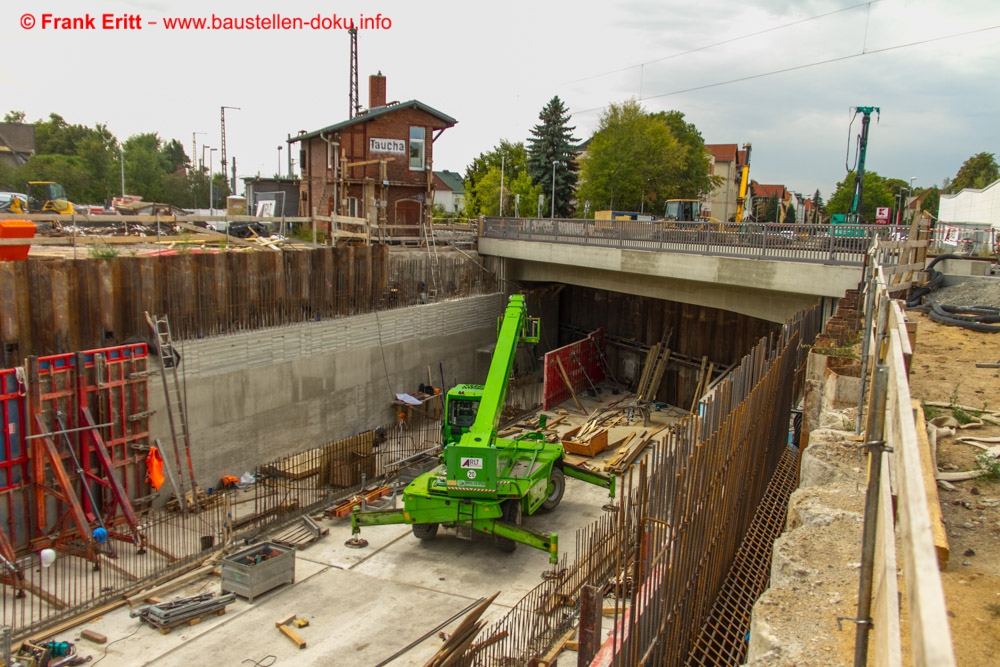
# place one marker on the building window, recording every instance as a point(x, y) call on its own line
point(352, 207)
point(417, 148)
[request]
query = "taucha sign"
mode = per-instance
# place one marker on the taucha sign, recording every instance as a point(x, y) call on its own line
point(393, 146)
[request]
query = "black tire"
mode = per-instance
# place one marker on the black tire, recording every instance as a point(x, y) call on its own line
point(558, 481)
point(425, 531)
point(512, 516)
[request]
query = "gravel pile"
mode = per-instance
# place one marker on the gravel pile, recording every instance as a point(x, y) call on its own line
point(982, 292)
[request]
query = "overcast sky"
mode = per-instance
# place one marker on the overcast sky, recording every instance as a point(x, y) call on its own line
point(932, 67)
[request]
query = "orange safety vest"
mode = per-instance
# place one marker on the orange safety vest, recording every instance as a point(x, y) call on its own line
point(154, 468)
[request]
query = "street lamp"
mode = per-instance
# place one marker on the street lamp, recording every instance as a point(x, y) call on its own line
point(554, 163)
point(211, 185)
point(279, 161)
point(121, 158)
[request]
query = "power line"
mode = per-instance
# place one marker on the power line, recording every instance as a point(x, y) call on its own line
point(803, 66)
point(727, 41)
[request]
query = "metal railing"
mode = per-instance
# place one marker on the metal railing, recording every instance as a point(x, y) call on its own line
point(824, 244)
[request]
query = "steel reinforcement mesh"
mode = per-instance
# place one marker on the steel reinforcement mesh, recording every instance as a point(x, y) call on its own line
point(723, 638)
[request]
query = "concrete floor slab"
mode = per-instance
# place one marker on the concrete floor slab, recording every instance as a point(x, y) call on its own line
point(363, 605)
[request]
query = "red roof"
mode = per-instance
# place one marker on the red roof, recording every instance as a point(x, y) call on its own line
point(723, 152)
point(761, 190)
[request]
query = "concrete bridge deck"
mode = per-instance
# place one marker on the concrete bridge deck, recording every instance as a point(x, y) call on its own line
point(763, 270)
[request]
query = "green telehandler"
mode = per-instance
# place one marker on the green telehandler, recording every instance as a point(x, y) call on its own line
point(485, 482)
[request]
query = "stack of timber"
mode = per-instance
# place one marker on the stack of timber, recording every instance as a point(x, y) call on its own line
point(653, 368)
point(299, 535)
point(629, 451)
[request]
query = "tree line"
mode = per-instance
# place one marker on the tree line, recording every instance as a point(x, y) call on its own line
point(91, 163)
point(636, 160)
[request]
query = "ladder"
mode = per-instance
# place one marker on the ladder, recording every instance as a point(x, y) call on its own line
point(176, 407)
point(432, 255)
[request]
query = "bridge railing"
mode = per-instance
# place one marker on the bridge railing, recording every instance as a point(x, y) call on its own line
point(828, 244)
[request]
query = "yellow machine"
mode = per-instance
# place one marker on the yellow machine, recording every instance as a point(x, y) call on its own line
point(43, 197)
point(741, 198)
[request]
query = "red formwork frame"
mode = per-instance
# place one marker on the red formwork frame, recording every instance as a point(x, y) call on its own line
point(581, 361)
point(72, 393)
point(113, 386)
point(13, 462)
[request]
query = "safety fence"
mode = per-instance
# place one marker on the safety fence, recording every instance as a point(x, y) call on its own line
point(664, 548)
point(900, 489)
point(53, 306)
point(827, 244)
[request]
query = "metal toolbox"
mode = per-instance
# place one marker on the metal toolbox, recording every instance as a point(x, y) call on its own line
point(258, 569)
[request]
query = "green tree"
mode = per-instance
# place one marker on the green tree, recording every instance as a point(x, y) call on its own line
point(174, 156)
point(931, 201)
point(483, 175)
point(977, 172)
point(552, 141)
point(14, 117)
point(145, 166)
point(695, 179)
point(97, 147)
point(68, 170)
point(877, 191)
point(633, 161)
point(789, 215)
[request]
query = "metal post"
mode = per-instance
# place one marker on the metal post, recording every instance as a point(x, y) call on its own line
point(554, 163)
point(876, 446)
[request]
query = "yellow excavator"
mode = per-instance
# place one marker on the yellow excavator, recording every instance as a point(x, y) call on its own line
point(43, 197)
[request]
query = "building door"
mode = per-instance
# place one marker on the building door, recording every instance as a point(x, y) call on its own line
point(408, 218)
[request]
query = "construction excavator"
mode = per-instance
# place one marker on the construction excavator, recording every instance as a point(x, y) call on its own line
point(483, 482)
point(43, 197)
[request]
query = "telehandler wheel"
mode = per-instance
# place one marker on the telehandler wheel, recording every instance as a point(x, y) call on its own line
point(425, 531)
point(558, 481)
point(512, 516)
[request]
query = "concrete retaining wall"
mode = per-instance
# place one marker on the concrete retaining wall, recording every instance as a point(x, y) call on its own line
point(255, 397)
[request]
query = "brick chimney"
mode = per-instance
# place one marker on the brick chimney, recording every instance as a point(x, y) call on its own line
point(376, 90)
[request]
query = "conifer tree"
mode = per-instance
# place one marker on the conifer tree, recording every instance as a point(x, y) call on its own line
point(552, 141)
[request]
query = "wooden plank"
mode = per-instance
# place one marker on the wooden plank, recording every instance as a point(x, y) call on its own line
point(930, 636)
point(569, 384)
point(887, 649)
point(294, 636)
point(929, 469)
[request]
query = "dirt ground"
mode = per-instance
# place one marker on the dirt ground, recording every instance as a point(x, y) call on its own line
point(944, 369)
